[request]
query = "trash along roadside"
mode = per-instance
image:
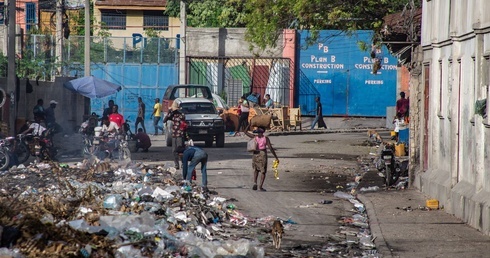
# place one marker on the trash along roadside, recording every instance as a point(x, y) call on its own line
point(128, 209)
point(114, 210)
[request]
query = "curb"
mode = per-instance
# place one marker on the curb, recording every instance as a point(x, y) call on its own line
point(374, 225)
point(302, 132)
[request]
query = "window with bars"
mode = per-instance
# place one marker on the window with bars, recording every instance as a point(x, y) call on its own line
point(155, 20)
point(30, 16)
point(113, 19)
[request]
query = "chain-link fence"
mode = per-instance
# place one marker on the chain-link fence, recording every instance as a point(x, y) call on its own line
point(39, 56)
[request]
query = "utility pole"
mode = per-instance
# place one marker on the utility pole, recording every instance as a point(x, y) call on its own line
point(87, 38)
point(11, 78)
point(59, 34)
point(183, 26)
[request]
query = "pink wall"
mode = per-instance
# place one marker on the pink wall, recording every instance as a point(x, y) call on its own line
point(289, 51)
point(20, 15)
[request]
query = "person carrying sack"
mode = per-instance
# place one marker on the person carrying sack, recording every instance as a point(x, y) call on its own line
point(259, 156)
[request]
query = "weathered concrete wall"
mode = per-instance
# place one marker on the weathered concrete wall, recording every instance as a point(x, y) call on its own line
point(224, 42)
point(456, 47)
point(70, 109)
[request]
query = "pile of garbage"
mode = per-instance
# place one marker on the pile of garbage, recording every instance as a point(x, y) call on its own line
point(116, 210)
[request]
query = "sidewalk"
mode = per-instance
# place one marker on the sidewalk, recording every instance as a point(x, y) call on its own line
point(404, 229)
point(401, 225)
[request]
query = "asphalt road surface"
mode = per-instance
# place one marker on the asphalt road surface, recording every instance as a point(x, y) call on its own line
point(312, 168)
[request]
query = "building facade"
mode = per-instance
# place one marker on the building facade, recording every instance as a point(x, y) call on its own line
point(453, 137)
point(26, 13)
point(134, 18)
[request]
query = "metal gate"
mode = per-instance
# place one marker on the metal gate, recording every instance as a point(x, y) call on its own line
point(343, 74)
point(232, 77)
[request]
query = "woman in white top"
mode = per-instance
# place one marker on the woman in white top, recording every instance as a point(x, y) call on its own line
point(245, 110)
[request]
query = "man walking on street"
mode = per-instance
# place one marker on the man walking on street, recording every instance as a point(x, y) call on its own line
point(195, 155)
point(178, 131)
point(157, 115)
point(318, 116)
point(141, 115)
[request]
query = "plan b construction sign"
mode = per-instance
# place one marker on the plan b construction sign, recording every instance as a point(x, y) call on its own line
point(351, 80)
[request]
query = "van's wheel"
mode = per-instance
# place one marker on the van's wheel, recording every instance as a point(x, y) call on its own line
point(208, 142)
point(220, 140)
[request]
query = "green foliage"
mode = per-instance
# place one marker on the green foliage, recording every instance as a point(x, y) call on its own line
point(32, 66)
point(77, 21)
point(481, 107)
point(266, 19)
point(102, 50)
point(3, 65)
point(211, 13)
point(151, 33)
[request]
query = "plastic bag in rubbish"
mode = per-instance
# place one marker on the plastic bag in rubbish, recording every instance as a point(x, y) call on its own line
point(128, 251)
point(5, 252)
point(47, 219)
point(161, 194)
point(143, 222)
point(181, 215)
point(113, 202)
point(369, 189)
point(366, 242)
point(343, 195)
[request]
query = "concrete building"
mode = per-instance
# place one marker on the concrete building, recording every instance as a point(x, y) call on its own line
point(452, 143)
point(131, 18)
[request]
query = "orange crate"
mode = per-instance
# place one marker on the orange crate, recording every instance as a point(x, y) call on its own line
point(432, 204)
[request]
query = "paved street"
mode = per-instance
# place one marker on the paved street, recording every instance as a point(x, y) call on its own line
point(313, 166)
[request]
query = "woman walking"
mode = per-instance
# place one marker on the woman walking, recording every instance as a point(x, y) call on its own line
point(259, 158)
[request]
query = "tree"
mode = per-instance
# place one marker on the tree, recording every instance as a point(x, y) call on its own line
point(267, 18)
point(211, 13)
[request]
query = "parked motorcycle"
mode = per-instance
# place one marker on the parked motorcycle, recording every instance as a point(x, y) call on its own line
point(5, 154)
point(19, 146)
point(388, 165)
point(37, 146)
point(104, 147)
point(127, 129)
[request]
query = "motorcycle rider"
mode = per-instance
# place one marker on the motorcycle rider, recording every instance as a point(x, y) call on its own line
point(110, 130)
point(38, 130)
point(35, 128)
point(110, 127)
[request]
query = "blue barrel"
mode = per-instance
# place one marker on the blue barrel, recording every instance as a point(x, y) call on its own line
point(403, 136)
